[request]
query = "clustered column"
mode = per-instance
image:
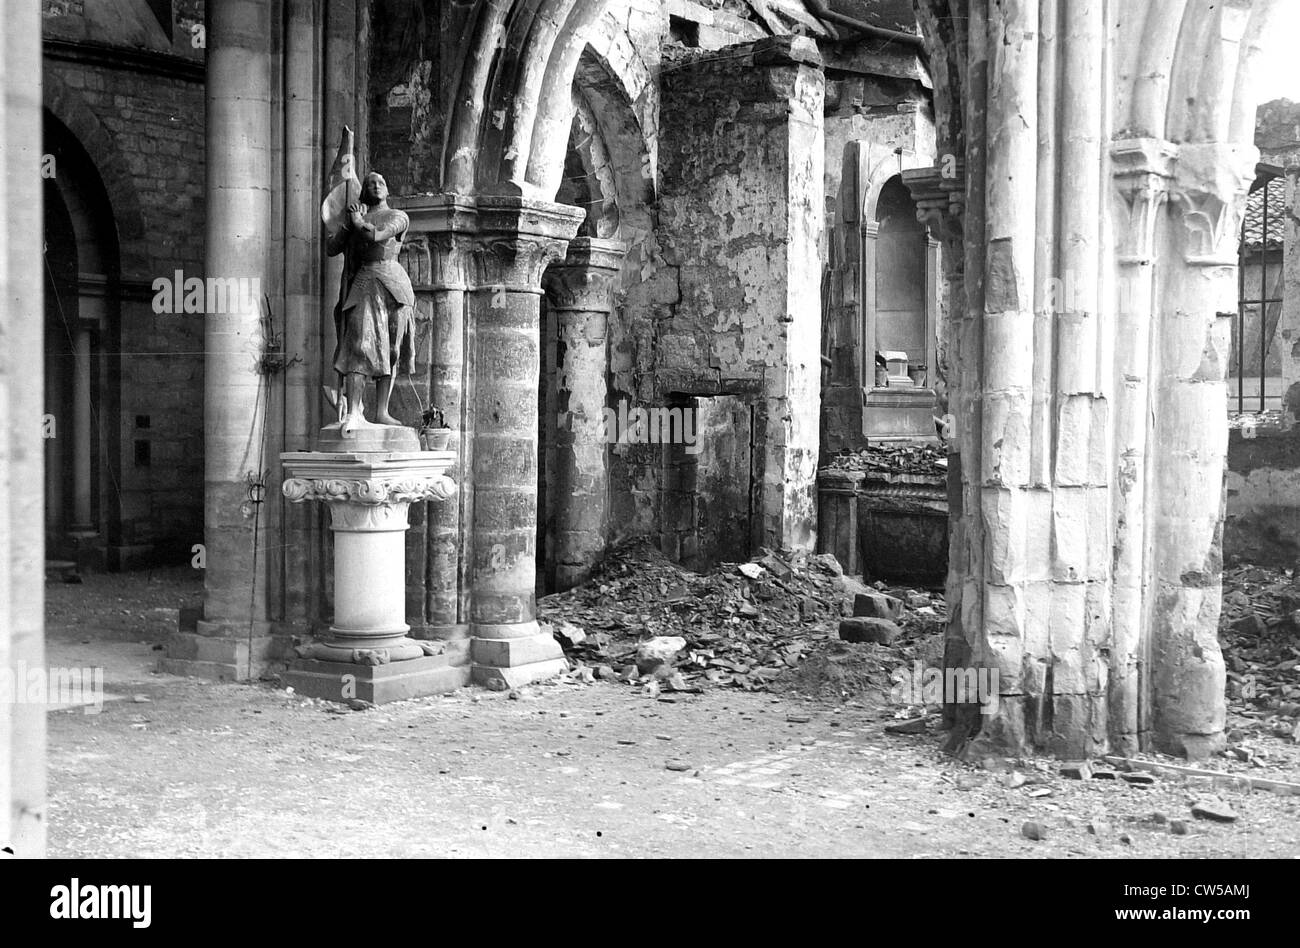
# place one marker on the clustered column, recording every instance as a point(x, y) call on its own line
point(579, 292)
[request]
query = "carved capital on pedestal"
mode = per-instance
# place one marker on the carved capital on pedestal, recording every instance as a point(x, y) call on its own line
point(366, 505)
point(368, 492)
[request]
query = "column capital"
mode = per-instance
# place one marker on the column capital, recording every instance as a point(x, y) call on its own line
point(1210, 187)
point(583, 280)
point(1143, 171)
point(940, 196)
point(519, 238)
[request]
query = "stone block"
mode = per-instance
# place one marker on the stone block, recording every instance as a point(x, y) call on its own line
point(378, 684)
point(861, 629)
point(875, 605)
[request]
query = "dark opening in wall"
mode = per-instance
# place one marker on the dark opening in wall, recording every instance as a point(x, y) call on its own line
point(143, 458)
point(142, 421)
point(683, 31)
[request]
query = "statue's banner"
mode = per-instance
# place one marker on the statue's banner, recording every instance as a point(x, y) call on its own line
point(343, 187)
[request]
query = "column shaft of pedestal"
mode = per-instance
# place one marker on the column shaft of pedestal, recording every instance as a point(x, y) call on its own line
point(579, 293)
point(369, 578)
point(517, 240)
point(239, 222)
point(22, 534)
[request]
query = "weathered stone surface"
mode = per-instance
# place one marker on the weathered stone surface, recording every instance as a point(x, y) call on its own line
point(1077, 770)
point(875, 605)
point(657, 652)
point(1033, 830)
point(865, 629)
point(1213, 808)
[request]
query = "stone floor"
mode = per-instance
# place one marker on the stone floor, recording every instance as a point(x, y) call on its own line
point(182, 767)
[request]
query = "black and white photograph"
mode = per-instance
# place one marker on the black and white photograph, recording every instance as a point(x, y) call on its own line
point(636, 430)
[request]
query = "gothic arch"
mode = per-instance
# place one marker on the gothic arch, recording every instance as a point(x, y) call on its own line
point(117, 181)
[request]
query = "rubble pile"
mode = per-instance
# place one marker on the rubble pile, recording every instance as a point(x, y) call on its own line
point(1259, 630)
point(906, 458)
point(643, 619)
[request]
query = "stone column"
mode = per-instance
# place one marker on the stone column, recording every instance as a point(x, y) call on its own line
point(440, 228)
point(22, 535)
point(579, 292)
point(870, 344)
point(1289, 319)
point(83, 448)
point(232, 640)
point(1143, 172)
point(1198, 302)
point(517, 239)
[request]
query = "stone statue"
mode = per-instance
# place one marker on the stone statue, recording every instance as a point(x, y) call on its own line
point(375, 315)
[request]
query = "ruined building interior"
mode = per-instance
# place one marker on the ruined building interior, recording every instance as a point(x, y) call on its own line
point(986, 313)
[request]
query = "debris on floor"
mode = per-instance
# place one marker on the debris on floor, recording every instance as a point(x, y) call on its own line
point(1259, 629)
point(902, 458)
point(645, 620)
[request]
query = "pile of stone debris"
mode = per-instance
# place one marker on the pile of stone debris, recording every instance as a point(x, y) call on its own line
point(1260, 632)
point(645, 620)
point(893, 458)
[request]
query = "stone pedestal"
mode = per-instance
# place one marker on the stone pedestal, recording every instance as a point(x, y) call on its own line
point(366, 653)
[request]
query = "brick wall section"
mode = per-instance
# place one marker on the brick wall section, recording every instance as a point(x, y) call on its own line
point(149, 149)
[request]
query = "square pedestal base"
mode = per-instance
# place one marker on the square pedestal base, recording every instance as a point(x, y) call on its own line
point(378, 684)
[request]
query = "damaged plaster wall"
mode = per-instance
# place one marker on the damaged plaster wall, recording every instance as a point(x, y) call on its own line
point(741, 211)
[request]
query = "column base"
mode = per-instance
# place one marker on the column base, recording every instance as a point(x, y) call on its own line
point(378, 684)
point(508, 656)
point(208, 653)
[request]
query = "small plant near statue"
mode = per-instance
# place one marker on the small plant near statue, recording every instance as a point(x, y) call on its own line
point(434, 433)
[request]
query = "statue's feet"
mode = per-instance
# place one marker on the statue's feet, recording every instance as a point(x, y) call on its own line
point(384, 418)
point(352, 422)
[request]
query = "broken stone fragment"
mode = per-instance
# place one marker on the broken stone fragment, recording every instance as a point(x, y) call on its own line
point(568, 634)
point(874, 605)
point(861, 629)
point(661, 650)
point(1032, 830)
point(1178, 827)
point(1138, 778)
point(1076, 770)
point(917, 600)
point(750, 570)
point(914, 726)
point(827, 563)
point(1249, 624)
point(1212, 808)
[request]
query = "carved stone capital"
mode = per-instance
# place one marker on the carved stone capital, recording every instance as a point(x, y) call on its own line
point(940, 196)
point(518, 239)
point(1210, 187)
point(1143, 172)
point(584, 280)
point(369, 492)
point(368, 505)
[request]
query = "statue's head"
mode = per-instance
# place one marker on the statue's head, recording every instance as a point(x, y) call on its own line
point(374, 188)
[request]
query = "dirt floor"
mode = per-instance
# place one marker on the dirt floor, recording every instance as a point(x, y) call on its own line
point(183, 767)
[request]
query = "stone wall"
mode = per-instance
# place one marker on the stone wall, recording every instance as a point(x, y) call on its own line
point(742, 158)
